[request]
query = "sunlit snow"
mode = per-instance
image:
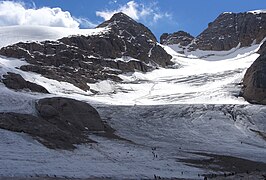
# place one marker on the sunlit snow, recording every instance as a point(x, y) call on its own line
point(193, 107)
point(14, 34)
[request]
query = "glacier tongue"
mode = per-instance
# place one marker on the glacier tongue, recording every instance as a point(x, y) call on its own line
point(195, 81)
point(161, 139)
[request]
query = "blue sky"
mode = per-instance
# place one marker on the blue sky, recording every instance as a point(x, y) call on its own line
point(160, 16)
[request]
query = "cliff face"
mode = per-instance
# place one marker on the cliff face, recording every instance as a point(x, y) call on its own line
point(230, 29)
point(180, 37)
point(226, 32)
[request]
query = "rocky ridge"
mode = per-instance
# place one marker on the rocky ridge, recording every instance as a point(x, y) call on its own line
point(227, 31)
point(181, 37)
point(126, 47)
point(137, 40)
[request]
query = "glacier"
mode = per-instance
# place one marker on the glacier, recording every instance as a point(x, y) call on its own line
point(167, 115)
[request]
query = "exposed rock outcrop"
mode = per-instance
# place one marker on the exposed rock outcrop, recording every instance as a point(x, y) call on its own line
point(137, 40)
point(230, 29)
point(126, 47)
point(71, 113)
point(180, 37)
point(17, 82)
point(227, 31)
point(254, 82)
point(61, 123)
point(262, 48)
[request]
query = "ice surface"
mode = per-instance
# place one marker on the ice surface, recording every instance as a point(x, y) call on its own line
point(196, 81)
point(176, 131)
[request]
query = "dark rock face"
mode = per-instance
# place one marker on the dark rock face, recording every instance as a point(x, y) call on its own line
point(180, 37)
point(122, 22)
point(80, 60)
point(17, 82)
point(224, 33)
point(254, 82)
point(137, 40)
point(262, 48)
point(61, 124)
point(79, 115)
point(58, 61)
point(230, 29)
point(43, 131)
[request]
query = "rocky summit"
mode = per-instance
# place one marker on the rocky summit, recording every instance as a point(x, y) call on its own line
point(227, 31)
point(137, 40)
point(126, 47)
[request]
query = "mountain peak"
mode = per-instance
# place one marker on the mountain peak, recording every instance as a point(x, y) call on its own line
point(229, 30)
point(121, 23)
point(118, 18)
point(121, 15)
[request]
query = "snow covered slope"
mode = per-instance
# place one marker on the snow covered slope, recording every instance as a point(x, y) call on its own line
point(14, 34)
point(161, 138)
point(213, 79)
point(189, 108)
point(194, 81)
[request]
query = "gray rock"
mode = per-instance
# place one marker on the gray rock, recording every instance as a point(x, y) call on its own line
point(47, 111)
point(230, 29)
point(17, 82)
point(254, 82)
point(49, 134)
point(180, 37)
point(262, 48)
point(61, 123)
point(78, 114)
point(224, 33)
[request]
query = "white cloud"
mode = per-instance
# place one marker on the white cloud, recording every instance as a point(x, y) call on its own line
point(85, 23)
point(112, 2)
point(149, 13)
point(13, 13)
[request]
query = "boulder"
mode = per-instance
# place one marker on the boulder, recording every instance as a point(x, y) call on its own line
point(254, 82)
point(70, 112)
point(50, 135)
point(61, 123)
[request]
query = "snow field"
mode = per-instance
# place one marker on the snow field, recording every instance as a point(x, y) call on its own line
point(193, 108)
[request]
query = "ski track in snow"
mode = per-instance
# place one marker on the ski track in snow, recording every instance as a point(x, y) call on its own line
point(193, 108)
